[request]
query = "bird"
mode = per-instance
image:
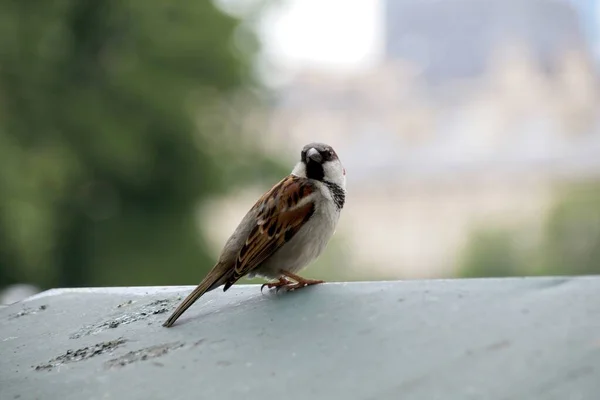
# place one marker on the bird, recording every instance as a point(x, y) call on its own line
point(287, 228)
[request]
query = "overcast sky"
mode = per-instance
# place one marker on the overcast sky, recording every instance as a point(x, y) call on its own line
point(326, 33)
point(340, 33)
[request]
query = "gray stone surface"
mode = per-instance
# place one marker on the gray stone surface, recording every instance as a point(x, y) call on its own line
point(441, 339)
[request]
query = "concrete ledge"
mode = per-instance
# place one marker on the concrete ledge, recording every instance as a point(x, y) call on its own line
point(526, 338)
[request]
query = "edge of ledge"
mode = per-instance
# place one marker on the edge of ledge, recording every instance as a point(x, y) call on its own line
point(144, 290)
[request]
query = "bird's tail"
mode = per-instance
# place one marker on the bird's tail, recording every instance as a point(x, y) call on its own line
point(213, 280)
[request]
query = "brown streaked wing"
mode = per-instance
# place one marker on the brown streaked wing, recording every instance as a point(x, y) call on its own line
point(278, 219)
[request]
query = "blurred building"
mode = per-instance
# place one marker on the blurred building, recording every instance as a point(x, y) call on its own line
point(589, 14)
point(455, 39)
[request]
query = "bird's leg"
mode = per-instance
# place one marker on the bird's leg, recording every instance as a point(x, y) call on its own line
point(279, 284)
point(300, 281)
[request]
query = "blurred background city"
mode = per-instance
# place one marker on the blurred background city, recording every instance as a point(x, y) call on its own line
point(135, 135)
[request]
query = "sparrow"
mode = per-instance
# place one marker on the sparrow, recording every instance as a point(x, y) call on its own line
point(286, 229)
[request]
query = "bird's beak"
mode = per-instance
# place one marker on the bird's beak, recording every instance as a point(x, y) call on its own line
point(313, 154)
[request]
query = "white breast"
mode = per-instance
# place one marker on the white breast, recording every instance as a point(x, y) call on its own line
point(309, 242)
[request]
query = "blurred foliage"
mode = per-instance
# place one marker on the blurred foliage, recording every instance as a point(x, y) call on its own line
point(490, 253)
point(570, 244)
point(572, 235)
point(116, 118)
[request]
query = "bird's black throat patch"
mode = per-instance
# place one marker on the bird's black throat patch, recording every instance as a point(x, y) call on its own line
point(314, 170)
point(338, 194)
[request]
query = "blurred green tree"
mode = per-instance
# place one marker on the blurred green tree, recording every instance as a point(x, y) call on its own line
point(490, 253)
point(114, 125)
point(571, 243)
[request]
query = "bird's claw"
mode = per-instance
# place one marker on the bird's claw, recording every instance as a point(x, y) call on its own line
point(282, 282)
point(289, 286)
point(300, 285)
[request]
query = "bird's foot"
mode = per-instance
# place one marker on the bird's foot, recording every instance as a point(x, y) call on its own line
point(282, 282)
point(300, 282)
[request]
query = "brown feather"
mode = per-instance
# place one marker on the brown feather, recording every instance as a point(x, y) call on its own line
point(280, 216)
